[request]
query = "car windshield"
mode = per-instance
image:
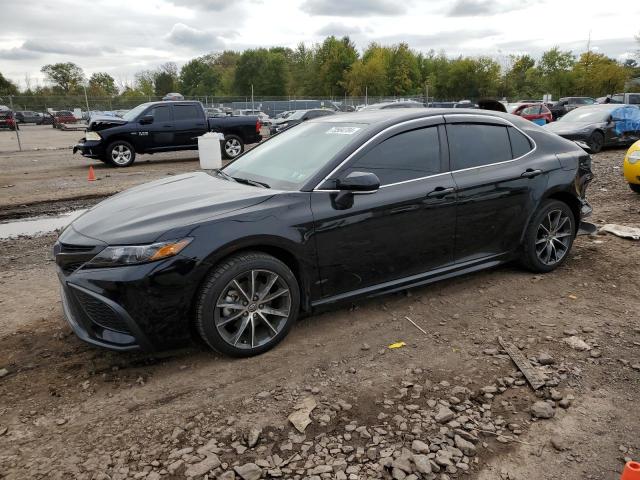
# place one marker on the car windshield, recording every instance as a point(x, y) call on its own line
point(134, 112)
point(297, 115)
point(288, 160)
point(513, 107)
point(586, 115)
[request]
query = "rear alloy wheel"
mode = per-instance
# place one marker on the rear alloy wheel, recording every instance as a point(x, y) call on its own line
point(635, 187)
point(596, 141)
point(247, 305)
point(232, 146)
point(121, 154)
point(549, 237)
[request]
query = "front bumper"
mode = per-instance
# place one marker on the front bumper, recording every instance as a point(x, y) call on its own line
point(138, 307)
point(89, 148)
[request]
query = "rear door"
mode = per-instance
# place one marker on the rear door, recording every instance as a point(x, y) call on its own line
point(190, 123)
point(499, 180)
point(405, 228)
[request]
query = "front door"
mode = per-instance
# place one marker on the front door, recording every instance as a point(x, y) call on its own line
point(403, 229)
point(159, 133)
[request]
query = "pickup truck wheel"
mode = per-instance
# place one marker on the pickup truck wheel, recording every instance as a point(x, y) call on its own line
point(232, 146)
point(121, 153)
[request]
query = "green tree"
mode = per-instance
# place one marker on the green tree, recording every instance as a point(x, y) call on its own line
point(264, 69)
point(404, 71)
point(102, 84)
point(165, 79)
point(7, 87)
point(65, 77)
point(517, 78)
point(200, 77)
point(301, 71)
point(556, 67)
point(144, 83)
point(595, 75)
point(225, 65)
point(332, 60)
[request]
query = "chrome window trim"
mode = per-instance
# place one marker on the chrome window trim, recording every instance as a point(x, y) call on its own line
point(507, 123)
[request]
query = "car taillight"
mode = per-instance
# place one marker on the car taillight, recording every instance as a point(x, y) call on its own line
point(258, 126)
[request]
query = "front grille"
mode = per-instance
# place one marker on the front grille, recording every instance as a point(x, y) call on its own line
point(69, 268)
point(100, 313)
point(71, 257)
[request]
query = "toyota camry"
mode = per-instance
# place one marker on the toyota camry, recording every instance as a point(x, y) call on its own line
point(334, 209)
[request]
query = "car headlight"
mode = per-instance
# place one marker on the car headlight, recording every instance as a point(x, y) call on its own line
point(634, 157)
point(135, 254)
point(92, 136)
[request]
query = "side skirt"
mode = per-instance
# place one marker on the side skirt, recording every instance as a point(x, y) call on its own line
point(425, 278)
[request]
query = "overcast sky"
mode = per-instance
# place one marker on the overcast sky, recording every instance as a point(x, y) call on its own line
point(124, 36)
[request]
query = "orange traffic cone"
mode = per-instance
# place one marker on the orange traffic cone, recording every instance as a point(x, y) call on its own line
point(92, 175)
point(631, 471)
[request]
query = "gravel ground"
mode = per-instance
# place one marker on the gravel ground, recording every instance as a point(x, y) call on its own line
point(449, 404)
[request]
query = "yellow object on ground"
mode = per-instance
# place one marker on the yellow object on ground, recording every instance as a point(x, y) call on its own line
point(631, 167)
point(397, 345)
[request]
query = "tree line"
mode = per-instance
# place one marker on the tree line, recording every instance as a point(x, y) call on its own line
point(335, 68)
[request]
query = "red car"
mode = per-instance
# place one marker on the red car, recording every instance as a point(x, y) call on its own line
point(536, 112)
point(63, 116)
point(8, 120)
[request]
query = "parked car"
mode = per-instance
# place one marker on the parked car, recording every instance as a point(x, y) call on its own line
point(62, 117)
point(441, 104)
point(163, 127)
point(297, 117)
point(264, 118)
point(7, 120)
point(338, 208)
point(631, 167)
point(600, 125)
point(537, 113)
point(465, 104)
point(566, 104)
point(628, 98)
point(27, 116)
point(47, 118)
point(387, 105)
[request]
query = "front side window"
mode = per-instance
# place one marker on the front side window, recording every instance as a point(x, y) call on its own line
point(161, 114)
point(405, 156)
point(532, 110)
point(473, 145)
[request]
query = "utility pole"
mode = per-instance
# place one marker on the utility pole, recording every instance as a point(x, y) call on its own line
point(86, 99)
point(252, 107)
point(15, 122)
point(366, 95)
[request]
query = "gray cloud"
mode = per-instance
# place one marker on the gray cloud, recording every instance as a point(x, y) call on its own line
point(210, 5)
point(65, 48)
point(352, 8)
point(472, 8)
point(612, 47)
point(185, 36)
point(448, 40)
point(18, 53)
point(339, 29)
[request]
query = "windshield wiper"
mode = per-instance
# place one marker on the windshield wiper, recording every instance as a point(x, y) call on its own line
point(248, 181)
point(224, 175)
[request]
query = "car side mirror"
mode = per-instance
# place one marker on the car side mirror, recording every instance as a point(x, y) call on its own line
point(583, 145)
point(146, 120)
point(359, 182)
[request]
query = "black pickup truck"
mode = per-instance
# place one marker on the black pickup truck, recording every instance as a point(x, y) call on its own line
point(163, 127)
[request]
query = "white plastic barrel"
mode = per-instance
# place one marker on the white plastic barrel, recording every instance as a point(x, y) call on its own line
point(209, 150)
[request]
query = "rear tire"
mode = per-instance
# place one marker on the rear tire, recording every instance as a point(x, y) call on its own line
point(596, 141)
point(635, 187)
point(120, 154)
point(549, 237)
point(247, 304)
point(232, 146)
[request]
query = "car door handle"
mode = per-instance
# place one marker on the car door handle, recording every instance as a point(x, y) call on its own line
point(167, 126)
point(440, 192)
point(530, 173)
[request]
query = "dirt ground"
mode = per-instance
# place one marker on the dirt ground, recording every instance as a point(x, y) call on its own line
point(449, 404)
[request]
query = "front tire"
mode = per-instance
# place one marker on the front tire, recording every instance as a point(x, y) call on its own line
point(549, 237)
point(120, 154)
point(635, 187)
point(247, 304)
point(596, 141)
point(232, 146)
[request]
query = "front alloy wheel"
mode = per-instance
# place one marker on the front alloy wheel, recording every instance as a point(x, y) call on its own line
point(247, 304)
point(232, 146)
point(121, 154)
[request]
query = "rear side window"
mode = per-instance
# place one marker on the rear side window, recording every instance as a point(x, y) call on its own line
point(186, 112)
point(406, 156)
point(520, 144)
point(161, 114)
point(634, 99)
point(474, 145)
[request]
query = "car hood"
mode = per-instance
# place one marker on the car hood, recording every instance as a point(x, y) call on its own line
point(570, 127)
point(100, 122)
point(142, 214)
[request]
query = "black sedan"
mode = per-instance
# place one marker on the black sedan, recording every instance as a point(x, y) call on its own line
point(600, 125)
point(298, 116)
point(335, 209)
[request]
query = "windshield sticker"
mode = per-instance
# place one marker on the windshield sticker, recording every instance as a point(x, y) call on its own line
point(343, 130)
